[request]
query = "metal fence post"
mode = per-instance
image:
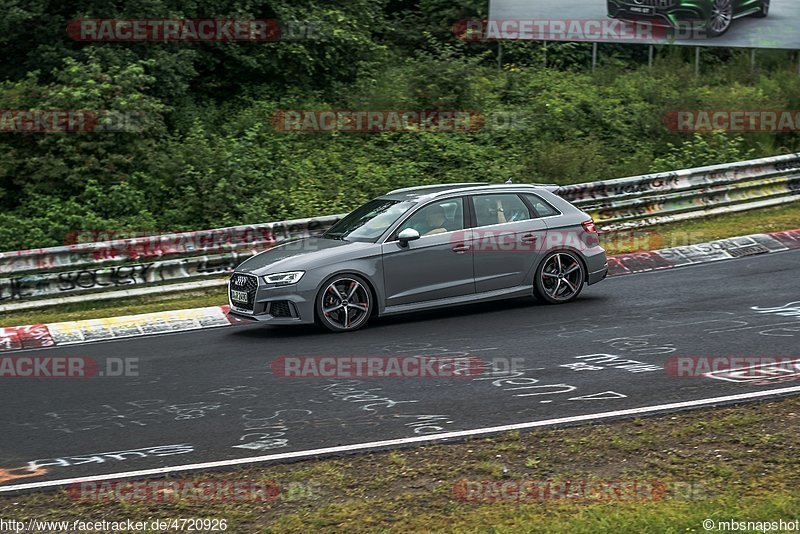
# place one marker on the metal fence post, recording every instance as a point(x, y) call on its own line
point(499, 56)
point(697, 61)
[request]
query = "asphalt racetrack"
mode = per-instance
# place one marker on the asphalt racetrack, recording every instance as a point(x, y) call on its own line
point(778, 30)
point(209, 398)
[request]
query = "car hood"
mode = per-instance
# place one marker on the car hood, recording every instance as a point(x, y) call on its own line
point(302, 255)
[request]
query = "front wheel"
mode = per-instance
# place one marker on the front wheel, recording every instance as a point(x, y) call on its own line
point(559, 278)
point(344, 304)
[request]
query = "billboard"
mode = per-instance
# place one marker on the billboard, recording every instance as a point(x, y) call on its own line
point(728, 23)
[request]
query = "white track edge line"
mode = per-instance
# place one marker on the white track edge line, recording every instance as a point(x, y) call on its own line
point(395, 442)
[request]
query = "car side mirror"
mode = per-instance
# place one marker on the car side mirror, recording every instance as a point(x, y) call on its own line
point(409, 234)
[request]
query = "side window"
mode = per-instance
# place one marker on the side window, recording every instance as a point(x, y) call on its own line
point(543, 209)
point(437, 217)
point(500, 208)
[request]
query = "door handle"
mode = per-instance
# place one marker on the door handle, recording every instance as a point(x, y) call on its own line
point(460, 249)
point(529, 238)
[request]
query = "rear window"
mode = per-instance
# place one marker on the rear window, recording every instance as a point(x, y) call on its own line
point(543, 208)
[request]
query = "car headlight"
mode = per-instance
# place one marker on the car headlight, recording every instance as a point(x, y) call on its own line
point(284, 279)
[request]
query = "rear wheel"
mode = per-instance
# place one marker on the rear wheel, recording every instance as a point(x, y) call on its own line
point(559, 278)
point(764, 11)
point(344, 304)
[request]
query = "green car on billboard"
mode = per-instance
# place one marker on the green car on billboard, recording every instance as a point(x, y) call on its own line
point(714, 17)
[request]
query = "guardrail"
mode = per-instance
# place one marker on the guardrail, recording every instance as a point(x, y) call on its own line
point(124, 264)
point(153, 264)
point(665, 197)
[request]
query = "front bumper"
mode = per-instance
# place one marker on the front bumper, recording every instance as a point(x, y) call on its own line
point(282, 305)
point(680, 14)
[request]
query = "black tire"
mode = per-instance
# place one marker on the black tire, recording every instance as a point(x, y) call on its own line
point(717, 25)
point(764, 11)
point(558, 285)
point(341, 307)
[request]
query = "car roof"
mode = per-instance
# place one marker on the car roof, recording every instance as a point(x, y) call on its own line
point(426, 192)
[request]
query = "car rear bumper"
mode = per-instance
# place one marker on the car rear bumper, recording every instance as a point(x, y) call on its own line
point(597, 276)
point(596, 262)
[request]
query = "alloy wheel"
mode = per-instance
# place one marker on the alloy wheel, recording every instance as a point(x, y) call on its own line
point(561, 277)
point(345, 304)
point(721, 16)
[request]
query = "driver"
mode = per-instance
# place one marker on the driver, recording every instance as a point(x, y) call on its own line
point(435, 218)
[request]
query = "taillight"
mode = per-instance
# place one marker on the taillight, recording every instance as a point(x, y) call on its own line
point(589, 226)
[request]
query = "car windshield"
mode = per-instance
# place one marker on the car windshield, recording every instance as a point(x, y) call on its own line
point(368, 222)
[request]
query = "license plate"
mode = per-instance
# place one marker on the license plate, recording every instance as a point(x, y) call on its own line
point(642, 10)
point(239, 296)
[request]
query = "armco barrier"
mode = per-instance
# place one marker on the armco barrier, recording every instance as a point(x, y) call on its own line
point(142, 261)
point(122, 276)
point(256, 236)
point(665, 197)
point(159, 261)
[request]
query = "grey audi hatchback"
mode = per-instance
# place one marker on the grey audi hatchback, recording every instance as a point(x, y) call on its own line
point(422, 248)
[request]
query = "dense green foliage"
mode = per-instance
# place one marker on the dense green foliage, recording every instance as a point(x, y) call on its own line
point(209, 156)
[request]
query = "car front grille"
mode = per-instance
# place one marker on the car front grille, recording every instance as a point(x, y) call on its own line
point(280, 308)
point(652, 3)
point(248, 284)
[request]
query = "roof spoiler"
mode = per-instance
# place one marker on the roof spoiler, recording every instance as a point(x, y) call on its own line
point(548, 187)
